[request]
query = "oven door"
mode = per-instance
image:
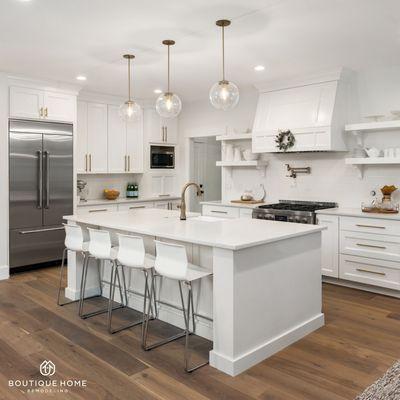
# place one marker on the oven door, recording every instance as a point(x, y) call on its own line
point(162, 157)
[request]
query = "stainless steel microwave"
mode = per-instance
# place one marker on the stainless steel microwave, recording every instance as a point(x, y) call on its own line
point(162, 157)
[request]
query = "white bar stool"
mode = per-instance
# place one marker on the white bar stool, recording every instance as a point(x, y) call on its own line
point(132, 254)
point(171, 262)
point(76, 240)
point(100, 249)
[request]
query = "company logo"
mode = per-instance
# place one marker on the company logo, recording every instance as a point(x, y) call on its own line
point(47, 368)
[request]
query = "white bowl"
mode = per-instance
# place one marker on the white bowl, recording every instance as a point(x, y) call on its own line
point(249, 156)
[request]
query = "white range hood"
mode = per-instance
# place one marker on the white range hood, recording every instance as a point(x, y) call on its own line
point(315, 110)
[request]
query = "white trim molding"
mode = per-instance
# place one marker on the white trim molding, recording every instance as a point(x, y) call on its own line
point(4, 272)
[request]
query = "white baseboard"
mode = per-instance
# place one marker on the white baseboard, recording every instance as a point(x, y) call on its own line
point(72, 294)
point(361, 286)
point(4, 272)
point(234, 367)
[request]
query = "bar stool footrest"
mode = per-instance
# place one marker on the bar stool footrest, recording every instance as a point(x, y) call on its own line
point(165, 341)
point(98, 312)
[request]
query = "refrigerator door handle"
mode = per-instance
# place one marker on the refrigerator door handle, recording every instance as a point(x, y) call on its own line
point(40, 180)
point(47, 154)
point(60, 228)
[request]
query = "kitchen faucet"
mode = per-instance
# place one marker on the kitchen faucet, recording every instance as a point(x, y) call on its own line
point(199, 192)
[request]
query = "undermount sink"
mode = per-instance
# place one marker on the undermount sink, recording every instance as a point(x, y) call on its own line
point(205, 218)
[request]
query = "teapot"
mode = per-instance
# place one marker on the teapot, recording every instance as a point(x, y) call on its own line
point(372, 152)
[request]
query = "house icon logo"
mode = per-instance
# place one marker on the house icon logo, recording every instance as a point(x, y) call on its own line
point(47, 368)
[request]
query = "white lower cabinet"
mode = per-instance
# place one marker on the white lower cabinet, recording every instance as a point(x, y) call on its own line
point(246, 213)
point(163, 185)
point(370, 271)
point(329, 245)
point(97, 209)
point(360, 249)
point(221, 211)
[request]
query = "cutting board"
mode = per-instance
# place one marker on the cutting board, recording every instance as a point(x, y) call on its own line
point(247, 201)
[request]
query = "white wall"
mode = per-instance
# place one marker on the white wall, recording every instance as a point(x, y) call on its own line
point(4, 269)
point(330, 180)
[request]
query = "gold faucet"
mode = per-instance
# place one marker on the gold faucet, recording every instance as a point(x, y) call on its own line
point(199, 192)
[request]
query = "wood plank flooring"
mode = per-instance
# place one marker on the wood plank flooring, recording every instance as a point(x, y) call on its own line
point(360, 341)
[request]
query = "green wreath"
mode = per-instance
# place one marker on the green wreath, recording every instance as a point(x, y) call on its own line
point(285, 140)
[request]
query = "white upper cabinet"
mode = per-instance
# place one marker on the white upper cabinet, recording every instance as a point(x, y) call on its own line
point(134, 146)
point(59, 106)
point(31, 103)
point(314, 112)
point(161, 130)
point(106, 143)
point(117, 157)
point(81, 138)
point(26, 102)
point(97, 137)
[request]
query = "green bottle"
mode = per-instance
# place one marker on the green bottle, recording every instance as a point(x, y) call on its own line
point(129, 191)
point(135, 190)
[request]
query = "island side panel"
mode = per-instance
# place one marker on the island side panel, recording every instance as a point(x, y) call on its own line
point(265, 298)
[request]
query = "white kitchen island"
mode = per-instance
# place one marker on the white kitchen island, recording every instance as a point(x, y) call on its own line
point(265, 292)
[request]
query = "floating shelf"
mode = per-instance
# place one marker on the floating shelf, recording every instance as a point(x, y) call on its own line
point(256, 163)
point(261, 165)
point(359, 163)
point(373, 160)
point(373, 126)
point(242, 136)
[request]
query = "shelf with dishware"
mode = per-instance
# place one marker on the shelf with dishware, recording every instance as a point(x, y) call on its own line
point(373, 126)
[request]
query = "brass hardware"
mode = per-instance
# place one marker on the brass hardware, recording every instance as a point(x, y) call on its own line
point(46, 112)
point(297, 170)
point(223, 23)
point(99, 210)
point(41, 112)
point(129, 163)
point(370, 226)
point(371, 245)
point(129, 57)
point(219, 212)
point(199, 192)
point(86, 162)
point(90, 162)
point(166, 134)
point(168, 43)
point(125, 163)
point(131, 208)
point(371, 272)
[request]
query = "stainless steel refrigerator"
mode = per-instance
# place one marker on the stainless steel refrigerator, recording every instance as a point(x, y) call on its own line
point(41, 189)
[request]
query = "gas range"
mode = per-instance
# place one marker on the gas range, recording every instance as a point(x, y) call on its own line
point(302, 212)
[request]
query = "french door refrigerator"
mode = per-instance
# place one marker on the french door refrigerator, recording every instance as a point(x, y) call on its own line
point(41, 190)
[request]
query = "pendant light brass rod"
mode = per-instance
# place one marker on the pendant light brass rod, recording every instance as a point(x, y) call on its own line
point(129, 79)
point(168, 67)
point(223, 52)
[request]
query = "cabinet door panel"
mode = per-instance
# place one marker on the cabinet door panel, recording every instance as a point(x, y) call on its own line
point(25, 102)
point(117, 161)
point(82, 142)
point(59, 106)
point(134, 145)
point(153, 127)
point(171, 129)
point(330, 245)
point(97, 137)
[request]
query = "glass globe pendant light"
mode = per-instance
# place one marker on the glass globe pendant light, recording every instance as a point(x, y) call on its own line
point(129, 110)
point(168, 104)
point(224, 95)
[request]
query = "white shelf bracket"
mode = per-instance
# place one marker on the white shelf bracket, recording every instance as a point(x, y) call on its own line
point(360, 170)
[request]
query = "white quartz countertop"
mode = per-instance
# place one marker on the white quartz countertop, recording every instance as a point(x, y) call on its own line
point(230, 204)
point(233, 234)
point(356, 212)
point(95, 202)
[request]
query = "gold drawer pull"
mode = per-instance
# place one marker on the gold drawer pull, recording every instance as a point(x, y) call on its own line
point(131, 208)
point(371, 245)
point(371, 226)
point(371, 272)
point(100, 210)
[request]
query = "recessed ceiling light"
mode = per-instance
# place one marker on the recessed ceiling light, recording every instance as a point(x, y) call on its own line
point(81, 78)
point(259, 68)
point(157, 91)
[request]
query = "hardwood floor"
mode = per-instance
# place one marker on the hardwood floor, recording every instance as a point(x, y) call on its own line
point(360, 341)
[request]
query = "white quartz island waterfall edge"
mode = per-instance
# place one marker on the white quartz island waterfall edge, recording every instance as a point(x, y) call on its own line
point(265, 292)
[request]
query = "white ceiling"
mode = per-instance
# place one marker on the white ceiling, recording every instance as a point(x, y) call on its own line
point(59, 39)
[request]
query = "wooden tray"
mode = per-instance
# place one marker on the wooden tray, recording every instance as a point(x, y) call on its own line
point(377, 210)
point(247, 201)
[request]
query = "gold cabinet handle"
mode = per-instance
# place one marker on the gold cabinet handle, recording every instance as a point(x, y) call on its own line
point(371, 226)
point(133, 207)
point(371, 245)
point(41, 112)
point(46, 112)
point(166, 134)
point(371, 272)
point(86, 162)
point(99, 210)
point(125, 163)
point(90, 162)
point(129, 163)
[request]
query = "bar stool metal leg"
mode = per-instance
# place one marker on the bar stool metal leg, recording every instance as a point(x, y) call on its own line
point(59, 303)
point(83, 289)
point(146, 328)
point(190, 307)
